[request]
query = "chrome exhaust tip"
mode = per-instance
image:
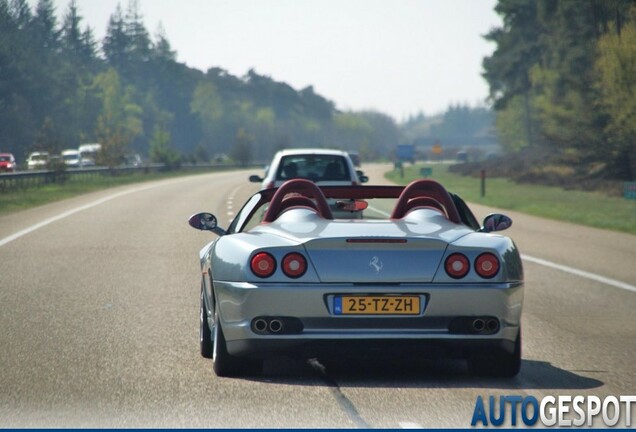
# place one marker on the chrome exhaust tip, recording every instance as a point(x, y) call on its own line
point(260, 325)
point(492, 325)
point(479, 325)
point(275, 326)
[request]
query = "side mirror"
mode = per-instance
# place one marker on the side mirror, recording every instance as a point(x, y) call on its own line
point(255, 179)
point(496, 222)
point(205, 222)
point(362, 177)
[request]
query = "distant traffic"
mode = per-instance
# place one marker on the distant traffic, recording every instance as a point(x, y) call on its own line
point(85, 156)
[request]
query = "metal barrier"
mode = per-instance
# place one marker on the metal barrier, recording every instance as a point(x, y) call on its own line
point(30, 179)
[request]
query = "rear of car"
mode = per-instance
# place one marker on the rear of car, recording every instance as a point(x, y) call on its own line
point(7, 163)
point(369, 286)
point(37, 160)
point(288, 276)
point(323, 167)
point(71, 158)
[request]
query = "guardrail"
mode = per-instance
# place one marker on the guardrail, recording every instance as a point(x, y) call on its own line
point(28, 179)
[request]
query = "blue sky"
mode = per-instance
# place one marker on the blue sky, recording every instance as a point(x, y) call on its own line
point(399, 57)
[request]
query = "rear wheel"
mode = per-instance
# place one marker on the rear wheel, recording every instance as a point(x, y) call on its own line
point(226, 365)
point(500, 364)
point(205, 334)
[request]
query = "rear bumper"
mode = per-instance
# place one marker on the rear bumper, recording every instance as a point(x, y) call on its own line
point(433, 331)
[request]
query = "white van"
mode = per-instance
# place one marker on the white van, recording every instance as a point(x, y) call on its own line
point(88, 153)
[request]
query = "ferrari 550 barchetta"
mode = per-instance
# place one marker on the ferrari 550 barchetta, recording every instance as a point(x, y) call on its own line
point(412, 271)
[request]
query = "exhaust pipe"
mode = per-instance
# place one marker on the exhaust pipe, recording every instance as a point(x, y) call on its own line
point(479, 325)
point(492, 325)
point(275, 326)
point(260, 325)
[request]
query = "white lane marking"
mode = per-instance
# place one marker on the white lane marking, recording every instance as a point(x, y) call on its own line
point(230, 202)
point(66, 214)
point(580, 273)
point(410, 425)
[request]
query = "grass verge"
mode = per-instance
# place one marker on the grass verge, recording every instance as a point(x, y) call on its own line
point(22, 199)
point(586, 208)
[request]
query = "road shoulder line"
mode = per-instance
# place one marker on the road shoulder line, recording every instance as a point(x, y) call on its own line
point(580, 273)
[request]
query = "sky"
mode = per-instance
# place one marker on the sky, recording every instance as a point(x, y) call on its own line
point(399, 57)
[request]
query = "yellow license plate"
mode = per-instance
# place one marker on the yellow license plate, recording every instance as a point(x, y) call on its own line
point(376, 305)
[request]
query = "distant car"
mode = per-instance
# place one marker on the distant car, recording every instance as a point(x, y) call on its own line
point(288, 277)
point(7, 163)
point(325, 167)
point(72, 158)
point(38, 160)
point(322, 166)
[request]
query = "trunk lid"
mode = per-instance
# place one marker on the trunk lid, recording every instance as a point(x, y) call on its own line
point(375, 260)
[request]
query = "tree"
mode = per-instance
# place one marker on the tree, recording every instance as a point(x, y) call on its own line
point(161, 49)
point(47, 138)
point(161, 151)
point(71, 37)
point(20, 13)
point(116, 44)
point(563, 83)
point(44, 27)
point(519, 48)
point(616, 65)
point(137, 34)
point(207, 106)
point(242, 148)
point(119, 121)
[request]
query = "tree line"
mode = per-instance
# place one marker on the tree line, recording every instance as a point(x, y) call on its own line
point(60, 87)
point(459, 127)
point(563, 78)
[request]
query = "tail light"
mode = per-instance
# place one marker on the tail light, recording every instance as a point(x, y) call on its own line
point(294, 265)
point(263, 265)
point(457, 265)
point(487, 265)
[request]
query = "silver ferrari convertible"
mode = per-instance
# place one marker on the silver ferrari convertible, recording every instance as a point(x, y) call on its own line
point(410, 273)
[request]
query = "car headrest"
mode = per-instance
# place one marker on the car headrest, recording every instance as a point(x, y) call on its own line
point(302, 187)
point(426, 188)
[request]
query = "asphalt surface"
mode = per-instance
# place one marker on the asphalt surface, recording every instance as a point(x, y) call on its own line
point(99, 324)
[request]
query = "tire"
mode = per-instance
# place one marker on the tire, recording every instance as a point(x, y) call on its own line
point(226, 365)
point(205, 334)
point(501, 364)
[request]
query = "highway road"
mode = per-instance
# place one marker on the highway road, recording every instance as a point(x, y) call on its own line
point(99, 299)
